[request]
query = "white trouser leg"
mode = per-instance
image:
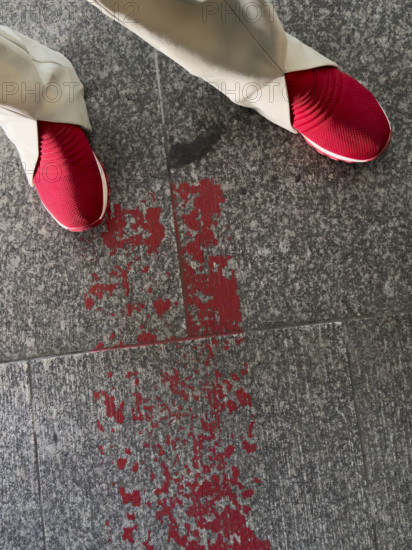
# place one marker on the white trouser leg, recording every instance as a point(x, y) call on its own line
point(239, 46)
point(36, 83)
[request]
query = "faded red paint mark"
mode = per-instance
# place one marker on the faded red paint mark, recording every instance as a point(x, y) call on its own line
point(191, 482)
point(88, 302)
point(161, 306)
point(209, 284)
point(121, 463)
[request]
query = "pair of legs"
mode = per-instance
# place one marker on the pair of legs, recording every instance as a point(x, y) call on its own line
point(238, 46)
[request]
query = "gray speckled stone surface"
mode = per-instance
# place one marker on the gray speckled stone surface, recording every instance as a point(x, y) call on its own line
point(20, 516)
point(270, 418)
point(312, 238)
point(381, 361)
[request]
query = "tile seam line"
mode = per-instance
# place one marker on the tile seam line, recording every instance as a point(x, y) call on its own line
point(122, 348)
point(243, 334)
point(350, 356)
point(172, 197)
point(36, 456)
point(180, 258)
point(378, 315)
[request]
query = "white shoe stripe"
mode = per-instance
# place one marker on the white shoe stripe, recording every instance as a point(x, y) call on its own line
point(104, 182)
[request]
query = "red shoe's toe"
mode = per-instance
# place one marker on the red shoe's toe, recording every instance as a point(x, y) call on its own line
point(337, 115)
point(69, 178)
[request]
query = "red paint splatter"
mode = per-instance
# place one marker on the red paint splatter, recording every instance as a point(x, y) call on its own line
point(121, 463)
point(88, 302)
point(147, 545)
point(111, 410)
point(116, 237)
point(133, 498)
point(162, 306)
point(192, 484)
point(209, 285)
point(249, 448)
point(128, 533)
point(125, 230)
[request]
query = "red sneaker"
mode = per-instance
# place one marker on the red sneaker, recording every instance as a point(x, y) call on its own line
point(336, 115)
point(69, 178)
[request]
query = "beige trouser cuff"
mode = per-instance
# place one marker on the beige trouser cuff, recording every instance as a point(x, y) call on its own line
point(36, 83)
point(238, 46)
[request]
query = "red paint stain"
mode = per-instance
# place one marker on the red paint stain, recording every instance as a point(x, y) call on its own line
point(128, 533)
point(162, 306)
point(133, 498)
point(121, 463)
point(88, 302)
point(209, 285)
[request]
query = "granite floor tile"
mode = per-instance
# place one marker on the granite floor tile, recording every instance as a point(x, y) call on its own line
point(20, 515)
point(381, 361)
point(312, 239)
point(119, 283)
point(250, 442)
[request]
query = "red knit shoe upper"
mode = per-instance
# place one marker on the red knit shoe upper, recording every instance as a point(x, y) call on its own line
point(337, 114)
point(68, 178)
